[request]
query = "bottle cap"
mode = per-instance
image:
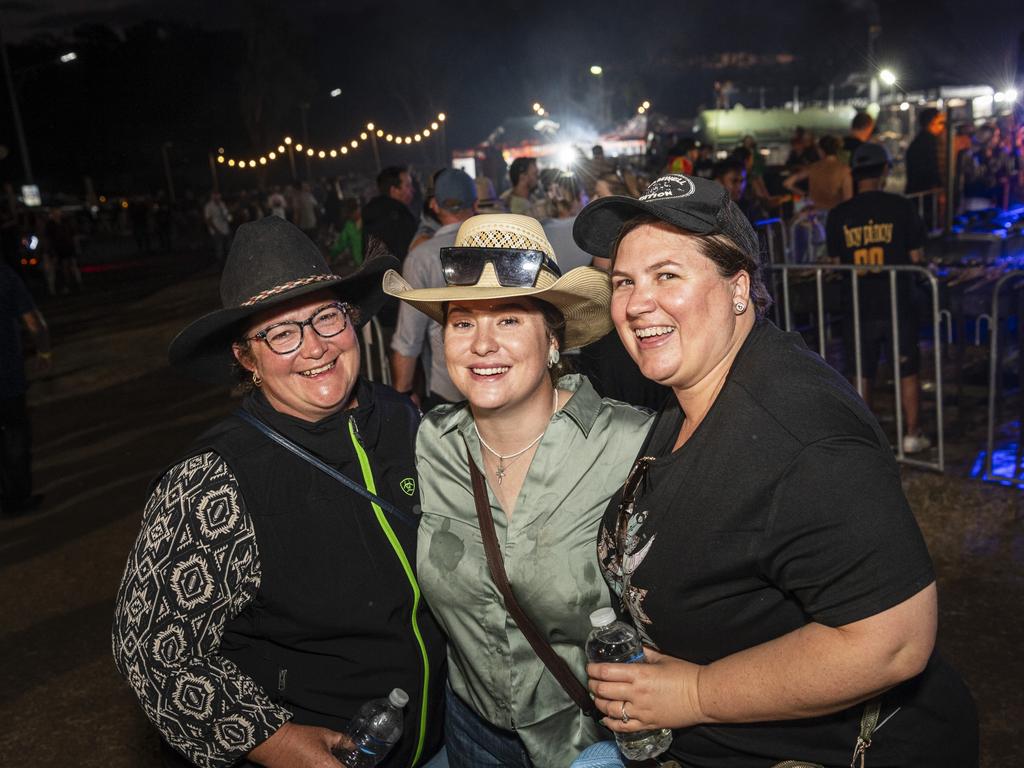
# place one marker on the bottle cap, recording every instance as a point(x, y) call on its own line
point(398, 698)
point(602, 617)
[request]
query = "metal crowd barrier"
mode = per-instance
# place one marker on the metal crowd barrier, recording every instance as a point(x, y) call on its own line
point(995, 381)
point(812, 222)
point(774, 237)
point(373, 339)
point(819, 271)
point(928, 200)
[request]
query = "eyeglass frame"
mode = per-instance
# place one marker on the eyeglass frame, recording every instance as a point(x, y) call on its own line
point(637, 475)
point(346, 310)
point(488, 254)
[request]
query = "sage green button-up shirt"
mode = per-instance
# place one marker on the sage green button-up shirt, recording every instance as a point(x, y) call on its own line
point(550, 554)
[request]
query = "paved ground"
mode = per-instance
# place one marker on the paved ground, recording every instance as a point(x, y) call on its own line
point(111, 415)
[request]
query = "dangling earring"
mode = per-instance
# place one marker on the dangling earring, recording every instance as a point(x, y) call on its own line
point(740, 306)
point(256, 380)
point(553, 356)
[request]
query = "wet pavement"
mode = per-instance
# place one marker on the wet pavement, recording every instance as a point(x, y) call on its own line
point(111, 415)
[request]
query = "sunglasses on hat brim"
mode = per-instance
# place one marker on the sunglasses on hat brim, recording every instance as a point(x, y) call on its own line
point(514, 267)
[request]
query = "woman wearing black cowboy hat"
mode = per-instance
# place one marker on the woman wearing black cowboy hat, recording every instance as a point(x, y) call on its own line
point(271, 590)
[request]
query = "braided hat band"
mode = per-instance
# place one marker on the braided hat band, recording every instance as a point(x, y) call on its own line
point(277, 289)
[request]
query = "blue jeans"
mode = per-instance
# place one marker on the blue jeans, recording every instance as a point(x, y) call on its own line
point(472, 742)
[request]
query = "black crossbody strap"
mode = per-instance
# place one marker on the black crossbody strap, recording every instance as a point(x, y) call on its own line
point(556, 664)
point(349, 483)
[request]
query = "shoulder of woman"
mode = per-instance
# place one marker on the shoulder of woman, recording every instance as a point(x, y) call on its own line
point(626, 414)
point(189, 477)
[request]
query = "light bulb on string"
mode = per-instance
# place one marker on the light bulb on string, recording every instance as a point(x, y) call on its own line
point(353, 143)
point(363, 136)
point(272, 155)
point(298, 147)
point(369, 126)
point(334, 153)
point(380, 133)
point(433, 126)
point(321, 154)
point(220, 158)
point(287, 139)
point(309, 152)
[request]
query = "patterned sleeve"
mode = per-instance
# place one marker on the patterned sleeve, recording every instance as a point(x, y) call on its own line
point(194, 567)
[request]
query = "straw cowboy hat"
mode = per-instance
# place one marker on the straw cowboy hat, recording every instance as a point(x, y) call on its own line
point(270, 262)
point(582, 295)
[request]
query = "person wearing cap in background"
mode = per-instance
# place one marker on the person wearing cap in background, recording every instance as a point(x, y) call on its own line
point(416, 336)
point(551, 453)
point(875, 229)
point(265, 599)
point(762, 545)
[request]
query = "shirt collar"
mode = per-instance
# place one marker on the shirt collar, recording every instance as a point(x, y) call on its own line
point(583, 408)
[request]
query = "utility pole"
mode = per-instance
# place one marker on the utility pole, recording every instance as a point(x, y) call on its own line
point(16, 113)
point(167, 169)
point(304, 107)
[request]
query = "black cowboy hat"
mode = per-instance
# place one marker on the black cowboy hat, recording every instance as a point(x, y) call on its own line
point(270, 262)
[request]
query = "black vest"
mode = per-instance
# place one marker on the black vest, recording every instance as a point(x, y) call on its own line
point(332, 624)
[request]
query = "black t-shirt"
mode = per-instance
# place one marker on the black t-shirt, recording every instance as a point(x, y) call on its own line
point(876, 229)
point(783, 508)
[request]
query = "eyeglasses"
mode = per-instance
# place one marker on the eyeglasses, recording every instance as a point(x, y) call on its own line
point(515, 267)
point(283, 338)
point(634, 479)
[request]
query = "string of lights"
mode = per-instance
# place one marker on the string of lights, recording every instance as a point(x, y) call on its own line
point(370, 133)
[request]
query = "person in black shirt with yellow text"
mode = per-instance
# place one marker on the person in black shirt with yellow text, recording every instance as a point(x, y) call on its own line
point(877, 228)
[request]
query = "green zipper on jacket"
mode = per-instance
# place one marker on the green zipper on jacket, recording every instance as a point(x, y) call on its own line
point(364, 465)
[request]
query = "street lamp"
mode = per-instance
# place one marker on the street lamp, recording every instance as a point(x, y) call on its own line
point(888, 77)
point(596, 70)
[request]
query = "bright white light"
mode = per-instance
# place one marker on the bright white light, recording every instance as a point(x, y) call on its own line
point(887, 76)
point(69, 56)
point(536, 106)
point(596, 70)
point(641, 109)
point(1011, 94)
point(904, 106)
point(336, 93)
point(998, 96)
point(33, 242)
point(566, 156)
point(646, 105)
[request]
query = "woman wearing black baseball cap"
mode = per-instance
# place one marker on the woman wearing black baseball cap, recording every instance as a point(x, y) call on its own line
point(762, 545)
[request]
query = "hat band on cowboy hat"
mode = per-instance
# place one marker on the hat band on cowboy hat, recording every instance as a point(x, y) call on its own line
point(582, 295)
point(270, 262)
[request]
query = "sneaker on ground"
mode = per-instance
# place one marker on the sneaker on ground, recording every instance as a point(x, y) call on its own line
point(916, 443)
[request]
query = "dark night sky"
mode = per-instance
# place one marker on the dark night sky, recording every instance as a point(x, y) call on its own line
point(399, 62)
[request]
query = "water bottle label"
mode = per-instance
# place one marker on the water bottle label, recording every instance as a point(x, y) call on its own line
point(636, 657)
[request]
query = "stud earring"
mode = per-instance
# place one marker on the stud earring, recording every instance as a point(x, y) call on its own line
point(740, 307)
point(256, 380)
point(553, 356)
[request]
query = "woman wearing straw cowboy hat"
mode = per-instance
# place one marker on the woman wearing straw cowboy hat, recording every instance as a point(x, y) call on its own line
point(271, 591)
point(552, 453)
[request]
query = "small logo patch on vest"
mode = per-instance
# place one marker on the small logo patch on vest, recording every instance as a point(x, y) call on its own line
point(408, 486)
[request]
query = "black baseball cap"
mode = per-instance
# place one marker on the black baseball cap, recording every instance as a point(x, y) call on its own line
point(690, 203)
point(870, 155)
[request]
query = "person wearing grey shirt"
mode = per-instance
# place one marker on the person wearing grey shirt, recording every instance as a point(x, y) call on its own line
point(552, 453)
point(416, 335)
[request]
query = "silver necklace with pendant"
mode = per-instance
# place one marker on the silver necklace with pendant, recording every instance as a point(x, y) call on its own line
point(499, 473)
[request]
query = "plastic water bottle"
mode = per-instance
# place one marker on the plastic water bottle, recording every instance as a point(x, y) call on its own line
point(374, 731)
point(616, 642)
